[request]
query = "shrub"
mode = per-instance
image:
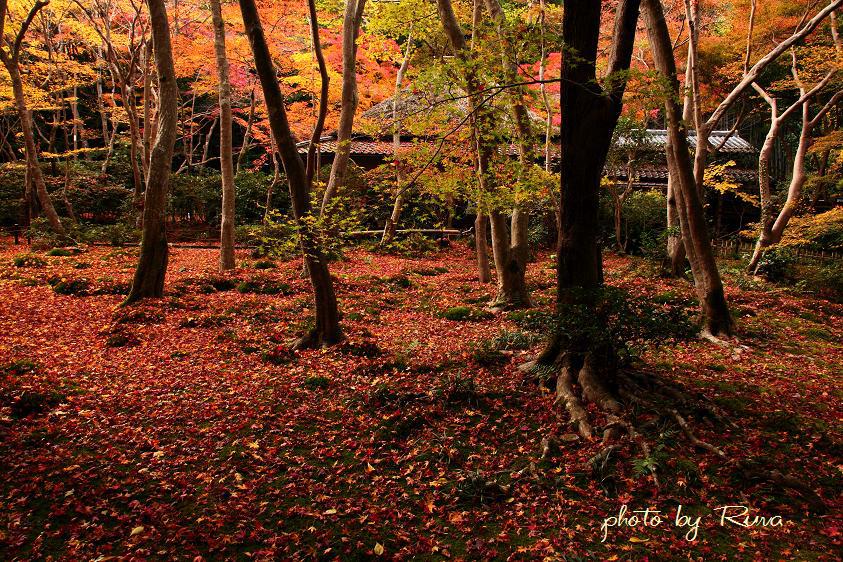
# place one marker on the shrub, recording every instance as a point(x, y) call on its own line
point(825, 280)
point(776, 264)
point(816, 232)
point(112, 287)
point(195, 197)
point(61, 252)
point(531, 320)
point(466, 313)
point(507, 340)
point(395, 282)
point(365, 348)
point(263, 287)
point(207, 321)
point(11, 192)
point(415, 245)
point(117, 234)
point(41, 236)
point(618, 320)
point(72, 287)
point(460, 389)
point(18, 367)
point(250, 198)
point(222, 283)
point(28, 260)
point(264, 264)
point(138, 316)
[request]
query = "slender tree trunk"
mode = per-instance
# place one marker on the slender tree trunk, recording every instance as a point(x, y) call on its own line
point(276, 177)
point(512, 290)
point(327, 329)
point(137, 179)
point(715, 311)
point(348, 105)
point(209, 136)
point(226, 150)
point(397, 125)
point(519, 249)
point(152, 263)
point(101, 103)
point(773, 230)
point(32, 163)
point(676, 256)
point(78, 124)
point(67, 204)
point(481, 222)
point(247, 136)
point(147, 105)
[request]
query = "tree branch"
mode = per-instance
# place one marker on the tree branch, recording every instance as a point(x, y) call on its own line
point(25, 26)
point(759, 66)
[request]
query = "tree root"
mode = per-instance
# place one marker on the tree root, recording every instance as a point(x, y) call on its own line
point(313, 339)
point(632, 392)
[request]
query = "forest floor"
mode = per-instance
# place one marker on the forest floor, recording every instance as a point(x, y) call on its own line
point(184, 428)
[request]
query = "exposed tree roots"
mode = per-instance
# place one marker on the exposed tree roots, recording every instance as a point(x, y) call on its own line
point(632, 403)
point(314, 339)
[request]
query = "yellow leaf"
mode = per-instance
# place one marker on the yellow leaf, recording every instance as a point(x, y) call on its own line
point(137, 531)
point(636, 539)
point(378, 548)
point(330, 511)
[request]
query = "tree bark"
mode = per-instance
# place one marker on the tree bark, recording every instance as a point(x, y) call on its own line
point(348, 105)
point(147, 105)
point(152, 263)
point(247, 136)
point(397, 125)
point(772, 228)
point(717, 320)
point(589, 116)
point(512, 289)
point(11, 60)
point(519, 249)
point(481, 222)
point(226, 156)
point(327, 329)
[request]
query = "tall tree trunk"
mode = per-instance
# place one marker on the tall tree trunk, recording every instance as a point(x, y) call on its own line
point(397, 125)
point(327, 330)
point(481, 222)
point(519, 249)
point(226, 156)
point(348, 104)
point(481, 227)
point(717, 320)
point(589, 116)
point(512, 290)
point(152, 263)
point(11, 60)
point(147, 105)
point(676, 256)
